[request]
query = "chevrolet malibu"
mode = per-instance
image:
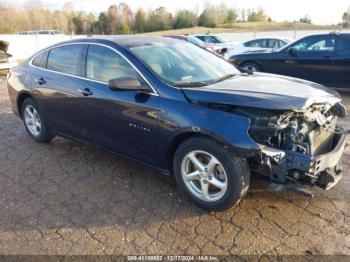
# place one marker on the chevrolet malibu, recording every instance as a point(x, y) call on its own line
point(175, 107)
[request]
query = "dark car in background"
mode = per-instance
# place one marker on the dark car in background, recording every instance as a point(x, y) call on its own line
point(184, 111)
point(323, 58)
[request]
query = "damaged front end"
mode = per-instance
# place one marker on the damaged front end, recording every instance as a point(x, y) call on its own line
point(296, 146)
point(302, 146)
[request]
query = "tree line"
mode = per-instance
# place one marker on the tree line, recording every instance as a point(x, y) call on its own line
point(346, 18)
point(119, 18)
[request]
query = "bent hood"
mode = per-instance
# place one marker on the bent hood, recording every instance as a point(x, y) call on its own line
point(4, 46)
point(3, 50)
point(264, 91)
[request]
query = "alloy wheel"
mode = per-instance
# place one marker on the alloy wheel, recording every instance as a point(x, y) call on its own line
point(32, 120)
point(204, 176)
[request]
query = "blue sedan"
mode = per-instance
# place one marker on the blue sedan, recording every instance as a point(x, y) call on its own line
point(177, 108)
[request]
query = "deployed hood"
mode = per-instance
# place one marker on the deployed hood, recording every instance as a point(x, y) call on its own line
point(264, 91)
point(4, 46)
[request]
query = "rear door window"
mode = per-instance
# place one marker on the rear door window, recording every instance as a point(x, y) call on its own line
point(65, 59)
point(274, 44)
point(262, 43)
point(342, 45)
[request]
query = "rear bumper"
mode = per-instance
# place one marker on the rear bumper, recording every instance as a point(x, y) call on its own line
point(323, 170)
point(6, 66)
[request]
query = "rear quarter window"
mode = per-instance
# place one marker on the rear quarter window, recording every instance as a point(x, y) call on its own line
point(248, 44)
point(40, 60)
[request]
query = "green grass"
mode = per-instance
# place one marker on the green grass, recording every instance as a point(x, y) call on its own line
point(247, 27)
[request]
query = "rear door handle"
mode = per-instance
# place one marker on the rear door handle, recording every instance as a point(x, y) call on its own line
point(327, 56)
point(85, 91)
point(290, 62)
point(40, 81)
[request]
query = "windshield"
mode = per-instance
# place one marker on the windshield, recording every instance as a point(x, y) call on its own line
point(195, 40)
point(184, 64)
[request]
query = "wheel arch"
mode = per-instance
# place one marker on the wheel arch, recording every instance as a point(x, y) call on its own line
point(20, 99)
point(184, 136)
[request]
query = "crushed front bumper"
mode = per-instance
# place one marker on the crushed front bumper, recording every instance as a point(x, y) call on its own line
point(6, 66)
point(328, 166)
point(323, 170)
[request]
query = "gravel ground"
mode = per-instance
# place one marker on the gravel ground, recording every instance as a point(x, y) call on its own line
point(67, 198)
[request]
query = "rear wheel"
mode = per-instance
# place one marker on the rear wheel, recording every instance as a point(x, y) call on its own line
point(34, 122)
point(209, 175)
point(251, 67)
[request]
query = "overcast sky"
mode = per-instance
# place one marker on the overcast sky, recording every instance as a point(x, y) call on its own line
point(320, 11)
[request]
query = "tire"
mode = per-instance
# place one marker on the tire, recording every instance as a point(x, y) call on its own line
point(251, 67)
point(41, 134)
point(229, 170)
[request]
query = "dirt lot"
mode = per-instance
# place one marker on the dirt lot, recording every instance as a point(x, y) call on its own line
point(67, 198)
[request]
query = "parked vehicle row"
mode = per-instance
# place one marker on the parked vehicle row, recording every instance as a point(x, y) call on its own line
point(219, 46)
point(41, 32)
point(184, 111)
point(323, 58)
point(255, 44)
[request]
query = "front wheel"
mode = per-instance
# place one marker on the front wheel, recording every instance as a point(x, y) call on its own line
point(209, 175)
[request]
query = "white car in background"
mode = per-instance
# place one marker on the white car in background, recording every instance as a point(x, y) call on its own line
point(41, 32)
point(259, 44)
point(215, 40)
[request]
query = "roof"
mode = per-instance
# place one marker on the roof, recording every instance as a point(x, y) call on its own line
point(270, 37)
point(206, 34)
point(127, 40)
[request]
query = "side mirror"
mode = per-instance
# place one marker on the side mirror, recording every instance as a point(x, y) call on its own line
point(127, 84)
point(293, 52)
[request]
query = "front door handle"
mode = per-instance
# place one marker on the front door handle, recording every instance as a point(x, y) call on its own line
point(290, 62)
point(327, 56)
point(85, 91)
point(40, 81)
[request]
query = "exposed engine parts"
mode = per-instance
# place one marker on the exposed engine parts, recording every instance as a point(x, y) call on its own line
point(308, 132)
point(296, 146)
point(300, 139)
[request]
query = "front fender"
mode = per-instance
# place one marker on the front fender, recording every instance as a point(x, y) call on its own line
point(228, 129)
point(181, 118)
